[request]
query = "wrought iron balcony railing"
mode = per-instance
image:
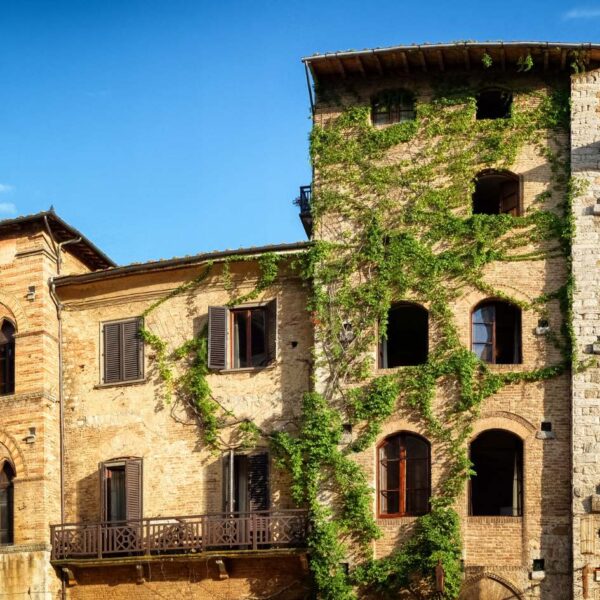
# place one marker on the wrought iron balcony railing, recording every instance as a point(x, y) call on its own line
point(179, 535)
point(303, 201)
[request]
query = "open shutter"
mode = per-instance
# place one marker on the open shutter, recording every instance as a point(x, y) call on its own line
point(103, 491)
point(112, 352)
point(258, 481)
point(217, 337)
point(132, 350)
point(133, 488)
point(272, 330)
point(509, 198)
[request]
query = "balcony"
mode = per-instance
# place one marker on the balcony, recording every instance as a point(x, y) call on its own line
point(303, 201)
point(192, 535)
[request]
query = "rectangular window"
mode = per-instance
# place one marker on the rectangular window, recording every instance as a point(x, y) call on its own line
point(246, 482)
point(242, 337)
point(123, 351)
point(249, 338)
point(121, 489)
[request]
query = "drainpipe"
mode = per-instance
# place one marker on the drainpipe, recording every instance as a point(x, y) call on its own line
point(61, 415)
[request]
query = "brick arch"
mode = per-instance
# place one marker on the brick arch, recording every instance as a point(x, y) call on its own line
point(11, 303)
point(503, 420)
point(472, 581)
point(13, 453)
point(472, 299)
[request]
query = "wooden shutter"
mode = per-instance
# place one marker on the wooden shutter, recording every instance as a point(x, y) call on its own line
point(103, 491)
point(133, 488)
point(112, 352)
point(132, 350)
point(509, 198)
point(258, 481)
point(272, 331)
point(218, 317)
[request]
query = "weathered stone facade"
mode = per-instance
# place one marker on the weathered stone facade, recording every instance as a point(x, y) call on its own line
point(183, 477)
point(585, 166)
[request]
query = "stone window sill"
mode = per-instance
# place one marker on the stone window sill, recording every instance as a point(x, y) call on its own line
point(101, 386)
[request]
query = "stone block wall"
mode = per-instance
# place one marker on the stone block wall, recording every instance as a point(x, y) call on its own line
point(585, 166)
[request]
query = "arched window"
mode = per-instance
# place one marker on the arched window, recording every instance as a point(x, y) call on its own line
point(497, 487)
point(7, 358)
point(406, 340)
point(496, 193)
point(494, 104)
point(6, 503)
point(393, 106)
point(496, 332)
point(404, 476)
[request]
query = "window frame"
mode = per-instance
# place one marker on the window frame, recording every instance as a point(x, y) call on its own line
point(500, 90)
point(402, 476)
point(9, 366)
point(248, 351)
point(396, 101)
point(9, 488)
point(495, 301)
point(221, 332)
point(507, 176)
point(141, 357)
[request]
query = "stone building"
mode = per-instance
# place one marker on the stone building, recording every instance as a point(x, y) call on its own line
point(138, 400)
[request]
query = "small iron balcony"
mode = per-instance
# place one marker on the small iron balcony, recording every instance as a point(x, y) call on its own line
point(303, 201)
point(179, 535)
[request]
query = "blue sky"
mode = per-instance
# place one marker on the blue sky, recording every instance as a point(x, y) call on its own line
point(162, 128)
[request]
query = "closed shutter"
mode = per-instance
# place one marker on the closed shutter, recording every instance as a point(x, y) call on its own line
point(272, 331)
point(112, 352)
point(133, 488)
point(217, 337)
point(123, 351)
point(132, 348)
point(258, 481)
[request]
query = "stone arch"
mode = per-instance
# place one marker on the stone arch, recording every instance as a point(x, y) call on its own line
point(489, 586)
point(10, 303)
point(9, 450)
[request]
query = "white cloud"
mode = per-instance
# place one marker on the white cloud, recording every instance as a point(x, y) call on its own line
point(582, 13)
point(7, 208)
point(4, 188)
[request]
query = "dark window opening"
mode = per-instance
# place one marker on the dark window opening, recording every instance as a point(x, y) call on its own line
point(404, 485)
point(406, 340)
point(497, 487)
point(7, 358)
point(494, 104)
point(246, 482)
point(393, 107)
point(538, 564)
point(249, 337)
point(496, 333)
point(6, 503)
point(495, 194)
point(115, 489)
point(546, 426)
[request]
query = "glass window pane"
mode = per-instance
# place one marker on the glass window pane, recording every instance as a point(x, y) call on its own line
point(389, 503)
point(417, 474)
point(391, 448)
point(116, 495)
point(485, 314)
point(482, 334)
point(483, 351)
point(239, 339)
point(259, 342)
point(415, 448)
point(417, 502)
point(392, 469)
point(4, 517)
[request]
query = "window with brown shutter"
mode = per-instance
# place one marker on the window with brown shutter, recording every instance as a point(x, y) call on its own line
point(242, 337)
point(121, 489)
point(246, 482)
point(123, 351)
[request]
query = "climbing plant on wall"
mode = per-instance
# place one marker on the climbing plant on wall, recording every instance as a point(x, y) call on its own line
point(392, 211)
point(392, 208)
